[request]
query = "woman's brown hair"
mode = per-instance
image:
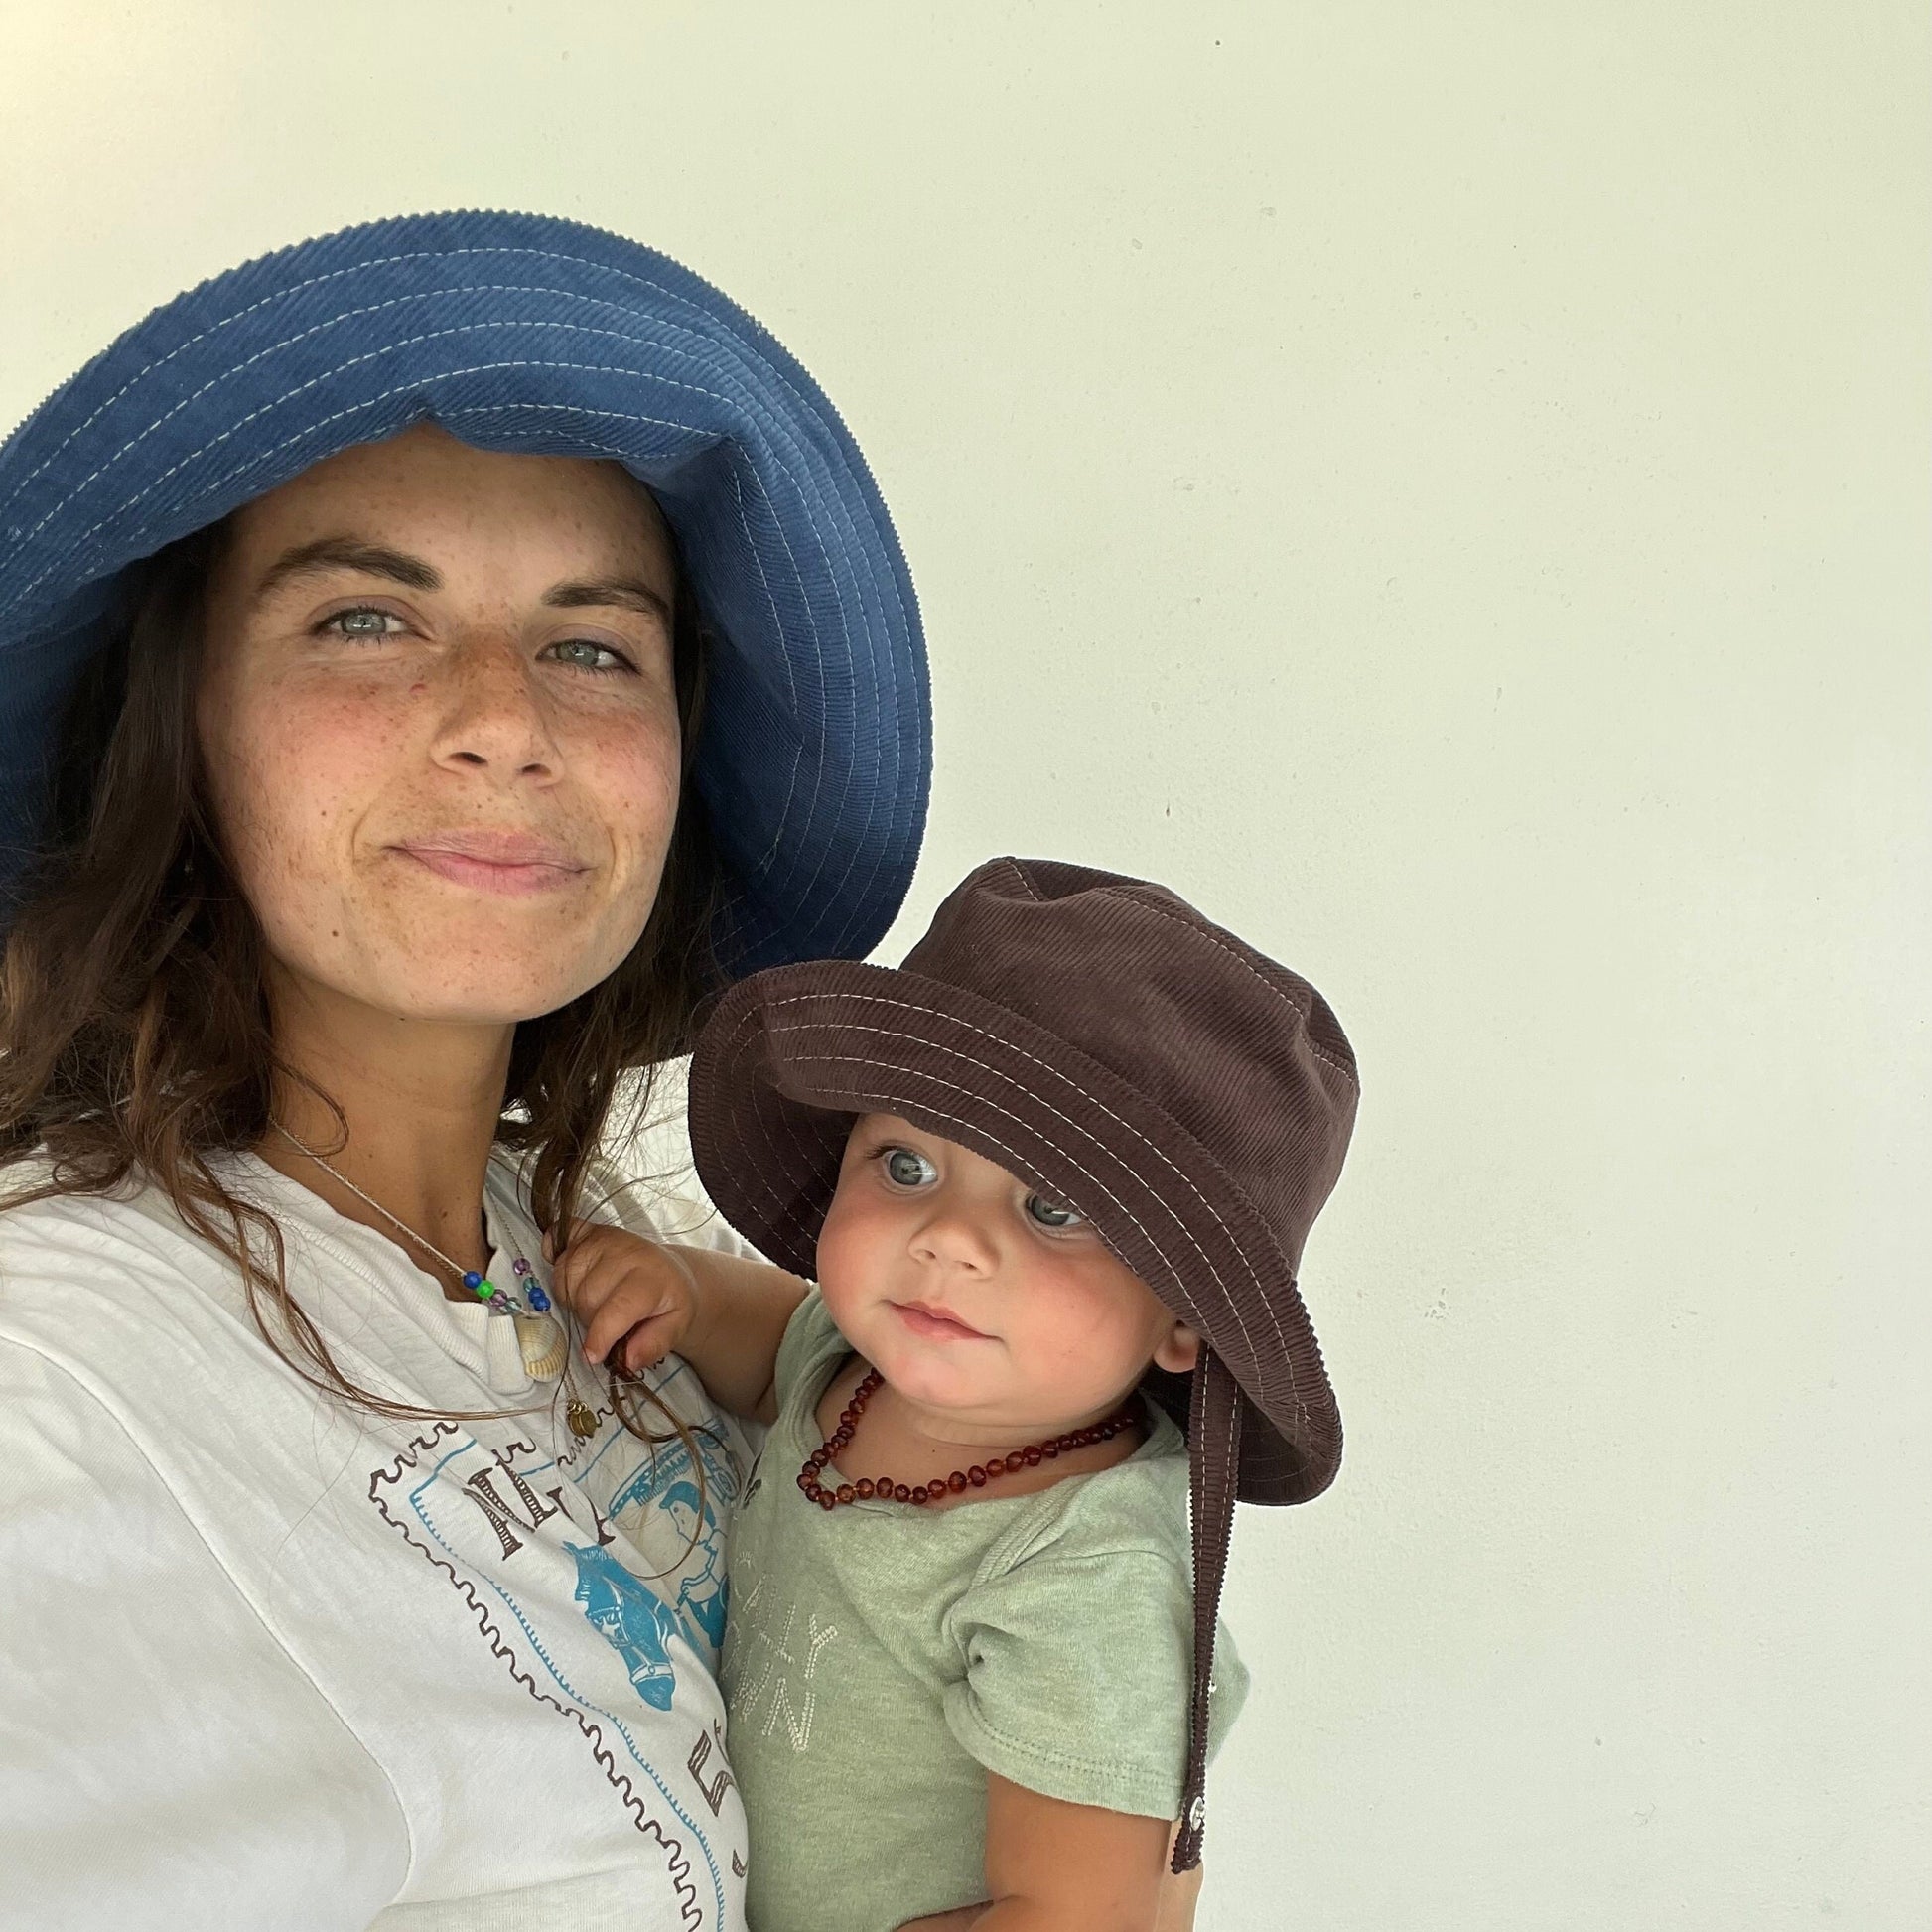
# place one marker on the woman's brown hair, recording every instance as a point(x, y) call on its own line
point(135, 1037)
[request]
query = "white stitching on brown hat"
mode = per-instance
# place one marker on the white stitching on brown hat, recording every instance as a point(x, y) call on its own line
point(757, 1017)
point(876, 1000)
point(1188, 1233)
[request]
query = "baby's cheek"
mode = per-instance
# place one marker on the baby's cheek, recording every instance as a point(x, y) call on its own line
point(1080, 1336)
point(1061, 1328)
point(846, 1249)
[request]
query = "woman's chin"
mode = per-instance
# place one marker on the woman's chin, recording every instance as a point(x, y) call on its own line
point(457, 985)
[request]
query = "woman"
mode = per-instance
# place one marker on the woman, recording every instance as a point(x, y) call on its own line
point(433, 658)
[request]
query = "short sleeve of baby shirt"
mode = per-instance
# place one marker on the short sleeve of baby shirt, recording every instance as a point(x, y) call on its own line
point(1079, 1669)
point(811, 1338)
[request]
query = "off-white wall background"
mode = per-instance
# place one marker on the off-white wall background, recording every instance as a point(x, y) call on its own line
point(1445, 486)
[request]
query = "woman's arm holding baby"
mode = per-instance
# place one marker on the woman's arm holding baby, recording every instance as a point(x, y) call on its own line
point(636, 1301)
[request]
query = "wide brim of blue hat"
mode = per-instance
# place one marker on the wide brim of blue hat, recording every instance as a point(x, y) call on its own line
point(516, 332)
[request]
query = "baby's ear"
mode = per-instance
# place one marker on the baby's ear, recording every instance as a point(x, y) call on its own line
point(1179, 1350)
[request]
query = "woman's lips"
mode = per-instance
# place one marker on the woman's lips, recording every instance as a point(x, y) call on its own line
point(512, 865)
point(934, 1324)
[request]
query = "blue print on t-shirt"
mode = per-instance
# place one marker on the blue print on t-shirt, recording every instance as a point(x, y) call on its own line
point(700, 1595)
point(671, 1494)
point(630, 1619)
point(516, 1493)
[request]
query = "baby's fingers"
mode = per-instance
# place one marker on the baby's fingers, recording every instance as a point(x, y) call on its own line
point(645, 1345)
point(615, 1315)
point(588, 1241)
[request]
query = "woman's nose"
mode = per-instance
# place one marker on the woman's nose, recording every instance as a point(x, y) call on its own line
point(494, 717)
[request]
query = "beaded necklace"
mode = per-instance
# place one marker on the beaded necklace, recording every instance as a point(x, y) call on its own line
point(540, 1337)
point(886, 1489)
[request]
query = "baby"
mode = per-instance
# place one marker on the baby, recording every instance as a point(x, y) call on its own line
point(1053, 1178)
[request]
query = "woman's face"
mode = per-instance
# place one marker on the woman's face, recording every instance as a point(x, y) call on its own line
point(439, 724)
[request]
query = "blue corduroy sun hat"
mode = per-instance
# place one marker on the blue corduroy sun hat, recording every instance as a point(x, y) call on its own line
point(516, 332)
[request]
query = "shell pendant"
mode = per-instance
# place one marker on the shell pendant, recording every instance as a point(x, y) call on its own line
point(543, 1345)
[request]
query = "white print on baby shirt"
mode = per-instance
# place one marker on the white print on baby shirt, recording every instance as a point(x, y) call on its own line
point(777, 1648)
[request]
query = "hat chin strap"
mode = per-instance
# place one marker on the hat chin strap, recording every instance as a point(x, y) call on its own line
point(1215, 1431)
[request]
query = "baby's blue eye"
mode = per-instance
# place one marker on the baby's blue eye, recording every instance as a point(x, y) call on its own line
point(904, 1169)
point(1050, 1215)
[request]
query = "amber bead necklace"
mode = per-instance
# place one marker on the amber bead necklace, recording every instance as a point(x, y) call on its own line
point(885, 1489)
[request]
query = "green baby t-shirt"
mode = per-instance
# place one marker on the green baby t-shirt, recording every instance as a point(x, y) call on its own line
point(880, 1660)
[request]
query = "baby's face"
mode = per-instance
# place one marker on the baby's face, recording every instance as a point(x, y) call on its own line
point(973, 1296)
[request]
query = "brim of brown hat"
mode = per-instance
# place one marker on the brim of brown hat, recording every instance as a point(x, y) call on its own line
point(789, 1056)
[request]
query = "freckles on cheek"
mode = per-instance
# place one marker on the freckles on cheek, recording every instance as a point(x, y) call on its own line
point(351, 731)
point(640, 777)
point(308, 764)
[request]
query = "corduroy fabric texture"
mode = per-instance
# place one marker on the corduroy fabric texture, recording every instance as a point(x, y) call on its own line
point(1098, 1038)
point(516, 332)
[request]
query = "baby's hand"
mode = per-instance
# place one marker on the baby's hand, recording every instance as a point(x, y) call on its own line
point(632, 1298)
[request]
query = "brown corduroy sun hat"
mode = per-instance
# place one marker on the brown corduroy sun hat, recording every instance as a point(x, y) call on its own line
point(1099, 1039)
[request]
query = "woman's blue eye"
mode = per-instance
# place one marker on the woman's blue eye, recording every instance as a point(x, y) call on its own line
point(363, 624)
point(904, 1169)
point(585, 651)
point(1050, 1215)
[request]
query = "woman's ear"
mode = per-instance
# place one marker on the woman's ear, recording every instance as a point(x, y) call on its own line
point(1179, 1349)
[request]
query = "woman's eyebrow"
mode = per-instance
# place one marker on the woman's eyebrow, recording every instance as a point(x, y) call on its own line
point(378, 560)
point(349, 553)
point(623, 593)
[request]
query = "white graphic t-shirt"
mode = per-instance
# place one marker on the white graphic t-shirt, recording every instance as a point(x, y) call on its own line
point(273, 1662)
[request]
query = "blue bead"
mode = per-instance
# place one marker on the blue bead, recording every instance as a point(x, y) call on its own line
point(473, 1280)
point(539, 1299)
